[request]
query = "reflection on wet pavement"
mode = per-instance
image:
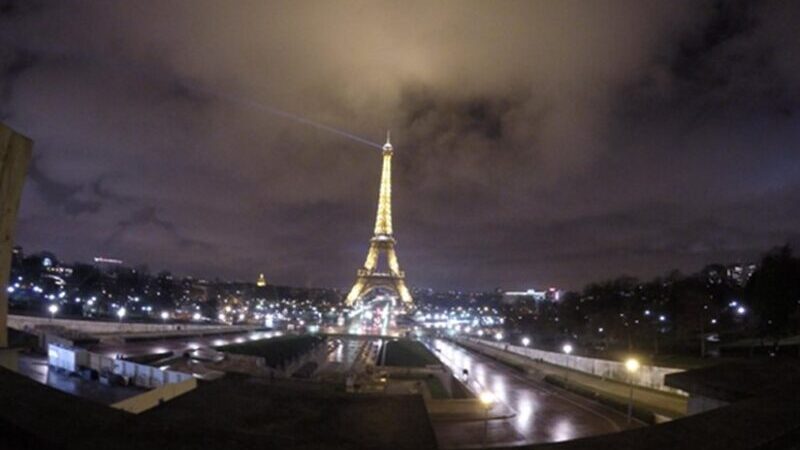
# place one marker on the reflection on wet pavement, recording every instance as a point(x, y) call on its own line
point(542, 413)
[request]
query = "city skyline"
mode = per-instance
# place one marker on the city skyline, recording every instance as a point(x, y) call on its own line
point(651, 138)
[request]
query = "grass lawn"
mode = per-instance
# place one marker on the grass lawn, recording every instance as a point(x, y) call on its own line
point(407, 353)
point(275, 351)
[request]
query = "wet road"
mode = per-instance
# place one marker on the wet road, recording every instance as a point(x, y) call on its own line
point(345, 354)
point(176, 345)
point(541, 412)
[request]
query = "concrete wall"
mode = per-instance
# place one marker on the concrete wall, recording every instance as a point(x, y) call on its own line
point(647, 376)
point(155, 397)
point(9, 358)
point(72, 359)
point(440, 372)
point(99, 327)
point(698, 404)
point(15, 154)
point(456, 408)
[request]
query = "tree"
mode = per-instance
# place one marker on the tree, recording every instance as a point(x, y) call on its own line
point(774, 292)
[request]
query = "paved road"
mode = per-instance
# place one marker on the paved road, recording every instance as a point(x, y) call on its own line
point(665, 403)
point(542, 413)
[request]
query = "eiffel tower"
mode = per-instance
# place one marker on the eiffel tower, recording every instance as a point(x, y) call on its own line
point(368, 278)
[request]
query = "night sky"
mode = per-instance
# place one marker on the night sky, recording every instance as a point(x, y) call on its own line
point(536, 143)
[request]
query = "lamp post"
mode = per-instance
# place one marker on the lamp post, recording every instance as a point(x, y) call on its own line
point(632, 366)
point(121, 314)
point(53, 310)
point(487, 399)
point(567, 350)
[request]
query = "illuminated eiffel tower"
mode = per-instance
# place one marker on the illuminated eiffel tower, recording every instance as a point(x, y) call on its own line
point(368, 278)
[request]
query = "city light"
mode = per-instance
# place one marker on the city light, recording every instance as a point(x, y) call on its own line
point(741, 310)
point(526, 341)
point(632, 366)
point(121, 313)
point(487, 398)
point(53, 310)
point(164, 315)
point(567, 348)
point(498, 336)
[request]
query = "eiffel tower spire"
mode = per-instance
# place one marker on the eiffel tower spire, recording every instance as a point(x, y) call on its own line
point(383, 221)
point(368, 277)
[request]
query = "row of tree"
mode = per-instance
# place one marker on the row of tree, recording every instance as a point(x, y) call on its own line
point(676, 312)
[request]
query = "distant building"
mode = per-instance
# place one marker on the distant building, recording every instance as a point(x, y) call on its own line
point(531, 295)
point(741, 273)
point(732, 274)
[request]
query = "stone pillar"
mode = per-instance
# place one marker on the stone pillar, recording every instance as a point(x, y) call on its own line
point(15, 154)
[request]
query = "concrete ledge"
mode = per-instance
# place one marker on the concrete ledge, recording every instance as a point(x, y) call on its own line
point(155, 397)
point(464, 410)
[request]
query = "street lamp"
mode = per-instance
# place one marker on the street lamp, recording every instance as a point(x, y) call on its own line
point(121, 313)
point(53, 310)
point(487, 399)
point(498, 336)
point(164, 316)
point(567, 348)
point(526, 341)
point(632, 366)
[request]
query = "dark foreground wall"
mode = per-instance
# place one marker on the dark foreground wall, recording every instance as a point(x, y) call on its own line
point(769, 419)
point(236, 413)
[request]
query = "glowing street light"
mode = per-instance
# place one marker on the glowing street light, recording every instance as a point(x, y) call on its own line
point(121, 313)
point(741, 310)
point(53, 310)
point(487, 399)
point(567, 349)
point(164, 316)
point(498, 336)
point(526, 341)
point(632, 366)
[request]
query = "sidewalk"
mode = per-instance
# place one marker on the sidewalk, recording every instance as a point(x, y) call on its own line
point(662, 403)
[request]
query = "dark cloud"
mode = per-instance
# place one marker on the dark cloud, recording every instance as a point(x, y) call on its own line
point(58, 195)
point(536, 143)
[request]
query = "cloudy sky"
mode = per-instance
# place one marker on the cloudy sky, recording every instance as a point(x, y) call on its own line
point(537, 142)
